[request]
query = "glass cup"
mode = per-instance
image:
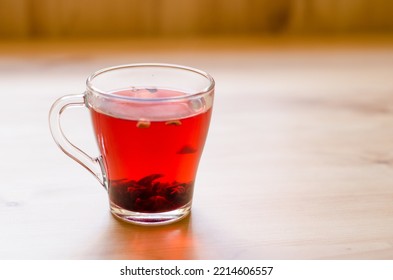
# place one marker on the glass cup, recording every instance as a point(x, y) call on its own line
point(150, 123)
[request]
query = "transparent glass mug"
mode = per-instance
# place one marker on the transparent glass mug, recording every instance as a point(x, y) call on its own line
point(150, 123)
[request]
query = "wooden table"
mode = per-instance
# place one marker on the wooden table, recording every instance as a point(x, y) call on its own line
point(298, 162)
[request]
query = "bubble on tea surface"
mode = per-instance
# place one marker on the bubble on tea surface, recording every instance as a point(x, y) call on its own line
point(146, 93)
point(196, 105)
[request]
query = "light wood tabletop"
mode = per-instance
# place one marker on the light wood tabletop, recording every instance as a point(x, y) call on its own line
point(298, 163)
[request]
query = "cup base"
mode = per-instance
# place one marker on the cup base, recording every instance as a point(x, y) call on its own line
point(150, 219)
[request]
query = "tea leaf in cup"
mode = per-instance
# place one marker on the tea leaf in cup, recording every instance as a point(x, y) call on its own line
point(173, 122)
point(143, 124)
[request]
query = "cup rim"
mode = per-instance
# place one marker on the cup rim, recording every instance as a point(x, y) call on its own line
point(92, 88)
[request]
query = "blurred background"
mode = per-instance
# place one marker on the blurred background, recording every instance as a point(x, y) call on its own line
point(31, 19)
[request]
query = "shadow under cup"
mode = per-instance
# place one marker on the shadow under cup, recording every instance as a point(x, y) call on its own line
point(151, 123)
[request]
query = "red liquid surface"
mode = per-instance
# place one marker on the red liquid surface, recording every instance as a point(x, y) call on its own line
point(151, 165)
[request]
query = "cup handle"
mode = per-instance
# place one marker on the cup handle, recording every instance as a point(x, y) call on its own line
point(94, 165)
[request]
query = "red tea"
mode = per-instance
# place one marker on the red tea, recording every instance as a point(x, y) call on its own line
point(152, 160)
